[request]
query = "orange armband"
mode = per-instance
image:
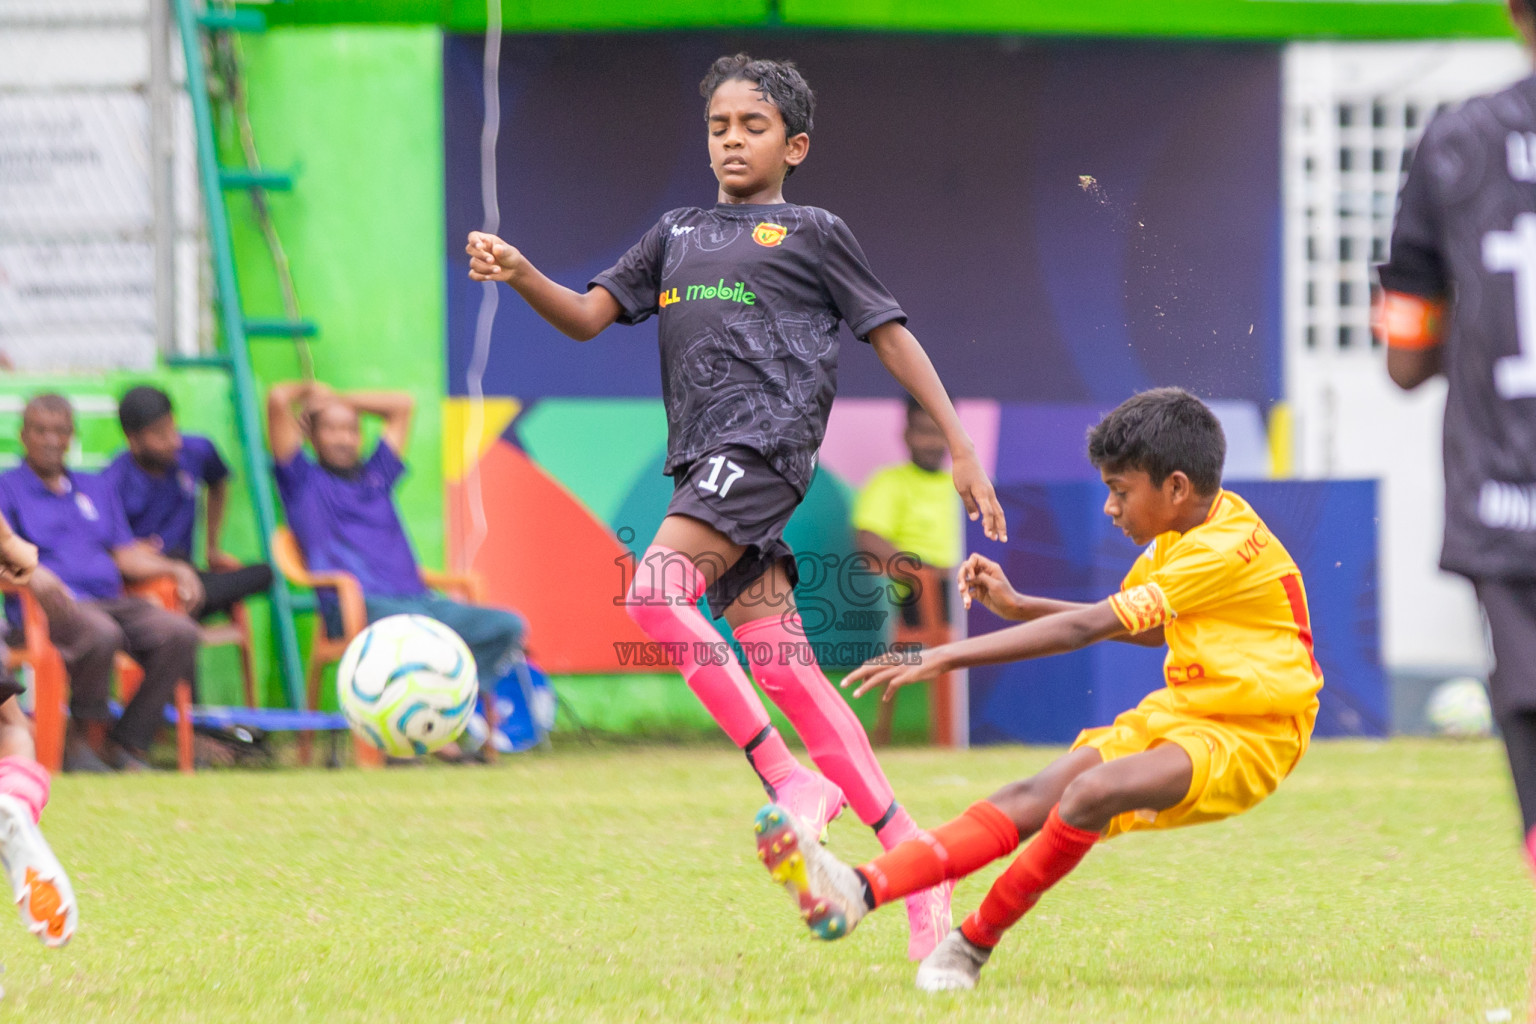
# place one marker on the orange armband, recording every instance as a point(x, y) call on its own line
point(1407, 321)
point(1142, 608)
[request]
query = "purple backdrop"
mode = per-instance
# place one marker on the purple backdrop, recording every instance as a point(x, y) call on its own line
point(956, 161)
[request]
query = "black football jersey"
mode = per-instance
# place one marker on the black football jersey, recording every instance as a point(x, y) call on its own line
point(749, 298)
point(1466, 232)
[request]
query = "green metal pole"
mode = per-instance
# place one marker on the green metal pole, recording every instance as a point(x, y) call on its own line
point(247, 419)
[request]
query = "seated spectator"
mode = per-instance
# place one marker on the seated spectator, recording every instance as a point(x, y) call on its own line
point(342, 512)
point(86, 551)
point(156, 481)
point(912, 510)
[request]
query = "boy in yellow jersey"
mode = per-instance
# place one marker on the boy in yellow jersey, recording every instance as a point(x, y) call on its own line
point(1232, 720)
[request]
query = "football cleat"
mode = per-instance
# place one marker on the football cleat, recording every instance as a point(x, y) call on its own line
point(42, 890)
point(827, 892)
point(954, 964)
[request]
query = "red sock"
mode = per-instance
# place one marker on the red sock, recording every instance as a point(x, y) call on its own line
point(1055, 851)
point(975, 839)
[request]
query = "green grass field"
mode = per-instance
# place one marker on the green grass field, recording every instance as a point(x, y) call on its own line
point(1382, 883)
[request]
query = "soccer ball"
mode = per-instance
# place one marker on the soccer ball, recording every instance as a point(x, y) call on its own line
point(407, 685)
point(1460, 708)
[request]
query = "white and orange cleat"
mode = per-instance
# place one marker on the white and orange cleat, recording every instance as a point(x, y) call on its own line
point(41, 888)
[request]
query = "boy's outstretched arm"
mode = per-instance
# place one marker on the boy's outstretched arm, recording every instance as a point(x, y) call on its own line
point(1054, 634)
point(982, 579)
point(904, 357)
point(579, 315)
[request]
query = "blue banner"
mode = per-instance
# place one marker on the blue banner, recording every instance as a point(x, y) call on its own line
point(1063, 546)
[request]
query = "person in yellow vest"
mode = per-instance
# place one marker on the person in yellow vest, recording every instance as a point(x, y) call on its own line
point(912, 510)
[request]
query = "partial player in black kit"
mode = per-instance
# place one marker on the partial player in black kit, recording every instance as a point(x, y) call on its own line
point(750, 294)
point(1459, 298)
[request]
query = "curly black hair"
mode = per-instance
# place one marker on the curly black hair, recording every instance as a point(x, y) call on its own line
point(779, 82)
point(1160, 432)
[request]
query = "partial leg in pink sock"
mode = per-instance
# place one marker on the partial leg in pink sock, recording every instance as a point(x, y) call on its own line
point(786, 669)
point(663, 602)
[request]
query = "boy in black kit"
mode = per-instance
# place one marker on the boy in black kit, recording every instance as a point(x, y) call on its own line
point(750, 293)
point(1459, 298)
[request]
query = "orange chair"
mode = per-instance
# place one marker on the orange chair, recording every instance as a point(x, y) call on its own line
point(327, 649)
point(932, 630)
point(51, 680)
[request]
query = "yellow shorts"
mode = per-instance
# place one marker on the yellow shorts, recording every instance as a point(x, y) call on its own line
point(1238, 759)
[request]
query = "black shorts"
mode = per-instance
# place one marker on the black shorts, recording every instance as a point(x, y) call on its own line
point(1511, 609)
point(737, 492)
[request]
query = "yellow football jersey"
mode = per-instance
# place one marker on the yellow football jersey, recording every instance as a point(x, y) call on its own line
point(1233, 611)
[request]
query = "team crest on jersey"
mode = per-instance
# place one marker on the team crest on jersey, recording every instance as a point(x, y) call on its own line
point(769, 234)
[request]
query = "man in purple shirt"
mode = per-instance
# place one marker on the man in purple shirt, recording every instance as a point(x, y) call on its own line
point(342, 512)
point(157, 481)
point(86, 551)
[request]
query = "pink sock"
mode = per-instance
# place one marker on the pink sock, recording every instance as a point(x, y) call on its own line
point(786, 669)
point(662, 602)
point(27, 781)
point(897, 830)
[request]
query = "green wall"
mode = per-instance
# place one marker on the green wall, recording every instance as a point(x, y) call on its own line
point(1221, 19)
point(356, 112)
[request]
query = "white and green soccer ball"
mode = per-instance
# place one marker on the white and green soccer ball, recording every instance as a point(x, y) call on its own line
point(407, 685)
point(1459, 707)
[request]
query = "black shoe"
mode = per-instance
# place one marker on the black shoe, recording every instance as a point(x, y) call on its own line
point(79, 757)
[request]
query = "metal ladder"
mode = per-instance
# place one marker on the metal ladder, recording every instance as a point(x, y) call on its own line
point(236, 328)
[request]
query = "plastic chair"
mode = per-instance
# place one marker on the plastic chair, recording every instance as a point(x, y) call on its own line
point(51, 679)
point(932, 630)
point(326, 649)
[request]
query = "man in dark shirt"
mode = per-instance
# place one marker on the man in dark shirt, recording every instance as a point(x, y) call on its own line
point(86, 551)
point(1459, 298)
point(156, 481)
point(342, 511)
